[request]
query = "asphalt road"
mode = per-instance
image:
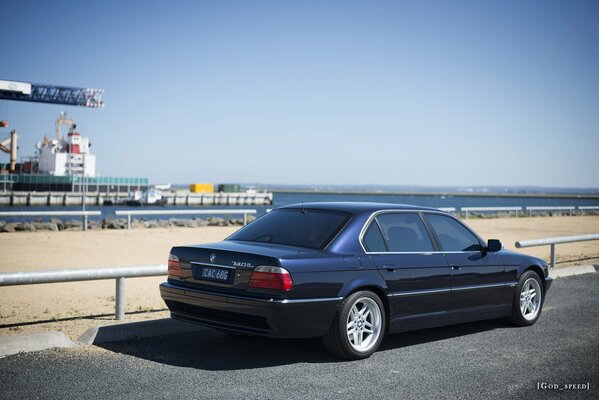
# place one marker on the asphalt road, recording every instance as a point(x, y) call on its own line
point(479, 360)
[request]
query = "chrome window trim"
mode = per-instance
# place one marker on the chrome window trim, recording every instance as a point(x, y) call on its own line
point(387, 211)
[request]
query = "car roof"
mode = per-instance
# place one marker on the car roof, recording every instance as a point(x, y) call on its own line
point(355, 207)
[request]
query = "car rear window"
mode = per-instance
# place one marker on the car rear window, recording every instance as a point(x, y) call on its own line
point(294, 227)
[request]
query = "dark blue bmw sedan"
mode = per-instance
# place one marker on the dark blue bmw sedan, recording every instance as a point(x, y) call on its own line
point(352, 273)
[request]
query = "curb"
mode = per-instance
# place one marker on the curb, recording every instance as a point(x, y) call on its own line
point(571, 271)
point(33, 342)
point(136, 330)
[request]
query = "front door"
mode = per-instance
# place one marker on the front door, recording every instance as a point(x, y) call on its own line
point(477, 276)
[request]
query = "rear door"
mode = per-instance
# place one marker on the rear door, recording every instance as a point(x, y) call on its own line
point(477, 277)
point(416, 275)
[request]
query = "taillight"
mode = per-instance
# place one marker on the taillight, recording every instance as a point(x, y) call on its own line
point(174, 265)
point(275, 278)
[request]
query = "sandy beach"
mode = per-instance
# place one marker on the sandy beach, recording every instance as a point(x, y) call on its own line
point(74, 307)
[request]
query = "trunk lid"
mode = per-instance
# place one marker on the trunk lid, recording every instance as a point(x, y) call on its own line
point(227, 266)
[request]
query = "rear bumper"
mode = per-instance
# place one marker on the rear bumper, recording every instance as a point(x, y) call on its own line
point(299, 318)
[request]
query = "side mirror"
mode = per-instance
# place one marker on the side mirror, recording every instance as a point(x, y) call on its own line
point(494, 245)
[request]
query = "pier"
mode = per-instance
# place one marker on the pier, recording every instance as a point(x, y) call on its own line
point(100, 199)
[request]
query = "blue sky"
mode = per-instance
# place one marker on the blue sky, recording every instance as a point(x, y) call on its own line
point(319, 92)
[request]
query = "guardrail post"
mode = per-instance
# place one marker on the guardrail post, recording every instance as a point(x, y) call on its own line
point(85, 222)
point(120, 299)
point(553, 255)
point(245, 219)
point(128, 221)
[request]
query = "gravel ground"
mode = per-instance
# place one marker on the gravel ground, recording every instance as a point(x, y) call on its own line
point(488, 359)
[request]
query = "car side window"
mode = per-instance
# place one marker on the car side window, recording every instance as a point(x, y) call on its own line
point(404, 232)
point(453, 235)
point(373, 240)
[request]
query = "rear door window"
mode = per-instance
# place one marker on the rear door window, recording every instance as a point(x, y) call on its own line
point(404, 232)
point(373, 239)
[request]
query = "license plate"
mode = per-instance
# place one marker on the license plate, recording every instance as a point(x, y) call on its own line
point(213, 274)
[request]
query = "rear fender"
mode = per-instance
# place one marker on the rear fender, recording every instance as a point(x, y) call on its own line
point(370, 278)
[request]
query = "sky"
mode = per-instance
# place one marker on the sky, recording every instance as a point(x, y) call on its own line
point(425, 93)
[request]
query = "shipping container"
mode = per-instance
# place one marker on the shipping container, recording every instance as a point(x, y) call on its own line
point(229, 188)
point(201, 188)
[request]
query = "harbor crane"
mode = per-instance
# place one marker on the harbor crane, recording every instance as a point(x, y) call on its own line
point(40, 93)
point(23, 91)
point(9, 146)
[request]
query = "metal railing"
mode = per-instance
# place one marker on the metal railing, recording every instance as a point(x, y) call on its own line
point(490, 209)
point(130, 213)
point(582, 209)
point(76, 275)
point(84, 214)
point(550, 208)
point(447, 209)
point(554, 241)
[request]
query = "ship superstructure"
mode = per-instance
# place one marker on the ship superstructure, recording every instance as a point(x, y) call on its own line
point(64, 163)
point(70, 156)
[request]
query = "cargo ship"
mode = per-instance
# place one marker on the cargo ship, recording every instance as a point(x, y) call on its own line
point(63, 172)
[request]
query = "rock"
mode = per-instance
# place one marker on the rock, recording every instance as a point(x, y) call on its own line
point(73, 225)
point(119, 223)
point(216, 221)
point(58, 223)
point(2, 225)
point(141, 224)
point(186, 223)
point(25, 227)
point(94, 225)
point(45, 226)
point(202, 222)
point(162, 223)
point(251, 218)
point(9, 227)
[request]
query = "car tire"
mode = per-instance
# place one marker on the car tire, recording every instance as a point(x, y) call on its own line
point(358, 328)
point(528, 299)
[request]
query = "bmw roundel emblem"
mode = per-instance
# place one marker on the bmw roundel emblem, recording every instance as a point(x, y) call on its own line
point(212, 257)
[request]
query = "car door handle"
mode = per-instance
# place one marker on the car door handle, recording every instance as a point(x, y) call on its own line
point(390, 267)
point(456, 266)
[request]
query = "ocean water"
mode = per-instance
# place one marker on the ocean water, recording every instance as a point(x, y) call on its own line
point(281, 199)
